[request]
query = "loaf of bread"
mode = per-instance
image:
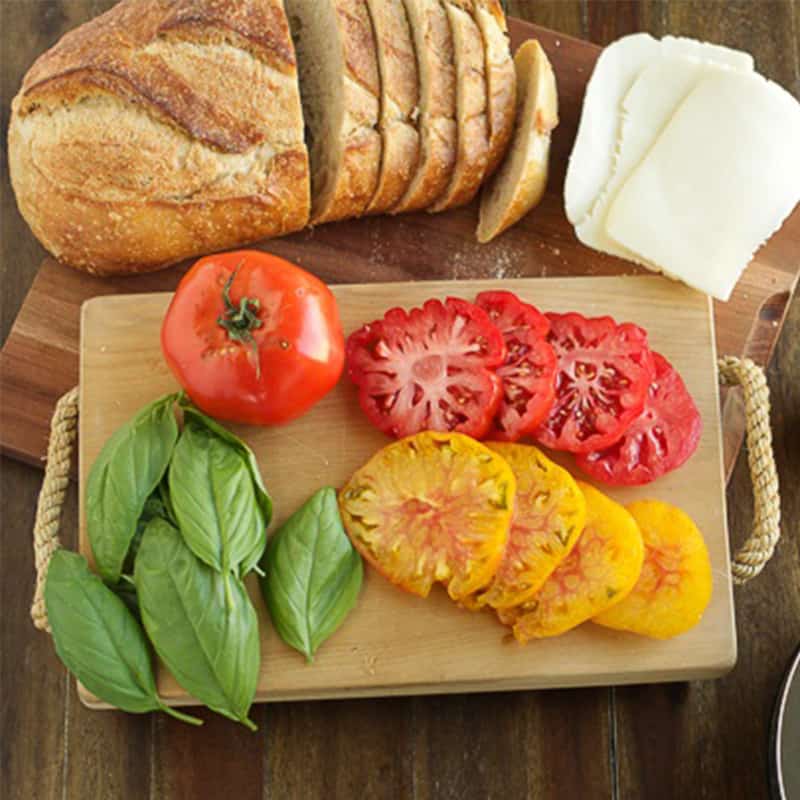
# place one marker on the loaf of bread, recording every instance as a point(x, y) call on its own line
point(161, 130)
point(166, 129)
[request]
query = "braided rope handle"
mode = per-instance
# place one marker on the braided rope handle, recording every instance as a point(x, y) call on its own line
point(63, 432)
point(747, 563)
point(760, 545)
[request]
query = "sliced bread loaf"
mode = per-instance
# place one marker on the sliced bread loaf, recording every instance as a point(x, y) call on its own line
point(520, 182)
point(500, 78)
point(472, 149)
point(340, 90)
point(397, 65)
point(433, 44)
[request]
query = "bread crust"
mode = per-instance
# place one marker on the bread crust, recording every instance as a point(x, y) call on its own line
point(196, 160)
point(399, 102)
point(500, 79)
point(433, 45)
point(520, 182)
point(471, 105)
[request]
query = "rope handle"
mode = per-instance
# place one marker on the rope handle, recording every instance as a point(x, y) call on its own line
point(754, 554)
point(751, 558)
point(63, 433)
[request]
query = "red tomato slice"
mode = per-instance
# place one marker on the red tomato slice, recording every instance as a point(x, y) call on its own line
point(604, 370)
point(662, 438)
point(253, 338)
point(529, 372)
point(431, 368)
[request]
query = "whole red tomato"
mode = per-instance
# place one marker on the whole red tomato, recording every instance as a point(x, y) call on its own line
point(253, 338)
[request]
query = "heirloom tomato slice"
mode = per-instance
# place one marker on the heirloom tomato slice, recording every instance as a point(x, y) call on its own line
point(431, 368)
point(600, 571)
point(431, 507)
point(674, 587)
point(528, 373)
point(549, 515)
point(659, 440)
point(604, 371)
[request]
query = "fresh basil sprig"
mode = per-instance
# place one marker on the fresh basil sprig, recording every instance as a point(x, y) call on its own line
point(98, 638)
point(312, 575)
point(128, 469)
point(214, 500)
point(209, 642)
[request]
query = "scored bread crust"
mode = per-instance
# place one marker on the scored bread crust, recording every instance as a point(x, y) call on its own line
point(397, 65)
point(143, 138)
point(519, 183)
point(472, 124)
point(340, 91)
point(500, 79)
point(433, 45)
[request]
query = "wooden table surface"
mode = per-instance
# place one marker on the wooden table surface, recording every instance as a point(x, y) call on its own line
point(697, 740)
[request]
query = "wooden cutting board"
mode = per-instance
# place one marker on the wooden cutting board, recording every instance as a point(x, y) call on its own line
point(39, 361)
point(394, 643)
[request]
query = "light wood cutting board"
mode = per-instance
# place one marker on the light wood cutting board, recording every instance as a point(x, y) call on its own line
point(394, 643)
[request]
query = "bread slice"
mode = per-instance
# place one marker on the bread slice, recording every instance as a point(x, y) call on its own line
point(397, 65)
point(472, 125)
point(500, 79)
point(520, 182)
point(340, 90)
point(159, 131)
point(433, 44)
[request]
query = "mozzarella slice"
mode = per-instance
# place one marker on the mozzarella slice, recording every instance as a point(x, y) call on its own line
point(645, 110)
point(719, 180)
point(681, 46)
point(593, 158)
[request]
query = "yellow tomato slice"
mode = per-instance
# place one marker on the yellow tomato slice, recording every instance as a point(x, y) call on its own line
point(549, 515)
point(431, 507)
point(600, 571)
point(675, 585)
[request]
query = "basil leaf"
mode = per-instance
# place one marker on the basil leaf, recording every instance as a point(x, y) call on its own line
point(213, 499)
point(212, 650)
point(126, 472)
point(153, 507)
point(98, 639)
point(313, 574)
point(264, 501)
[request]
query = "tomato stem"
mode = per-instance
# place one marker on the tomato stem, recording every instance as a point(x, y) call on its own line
point(239, 321)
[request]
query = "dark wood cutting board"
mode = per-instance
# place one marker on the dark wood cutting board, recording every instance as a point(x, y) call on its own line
point(39, 361)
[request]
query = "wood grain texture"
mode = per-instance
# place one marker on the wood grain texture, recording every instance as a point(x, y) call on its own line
point(426, 747)
point(32, 711)
point(393, 643)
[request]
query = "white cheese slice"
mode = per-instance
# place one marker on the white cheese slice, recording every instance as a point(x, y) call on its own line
point(592, 158)
point(645, 110)
point(681, 46)
point(719, 180)
point(594, 153)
